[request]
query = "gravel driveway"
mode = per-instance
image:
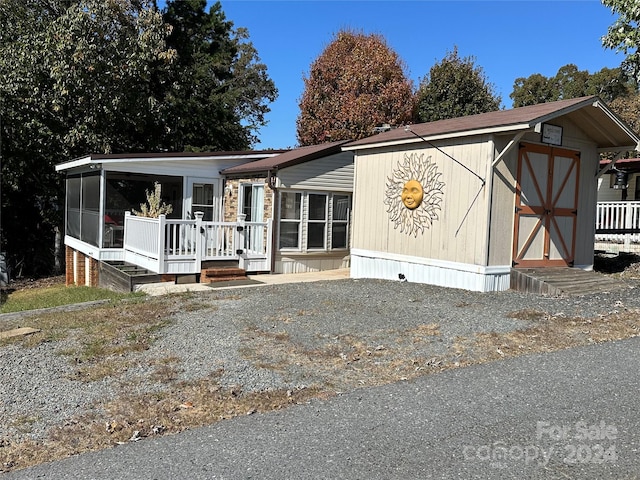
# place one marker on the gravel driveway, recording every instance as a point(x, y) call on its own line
point(281, 336)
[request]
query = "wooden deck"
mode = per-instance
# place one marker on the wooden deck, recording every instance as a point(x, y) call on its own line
point(562, 281)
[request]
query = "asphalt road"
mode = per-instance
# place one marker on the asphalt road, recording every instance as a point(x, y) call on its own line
point(568, 414)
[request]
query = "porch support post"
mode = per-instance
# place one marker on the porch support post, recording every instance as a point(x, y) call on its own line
point(199, 239)
point(162, 220)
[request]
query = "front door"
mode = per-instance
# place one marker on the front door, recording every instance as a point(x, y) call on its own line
point(546, 206)
point(256, 233)
point(203, 198)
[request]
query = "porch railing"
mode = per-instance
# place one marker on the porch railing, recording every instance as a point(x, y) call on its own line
point(166, 245)
point(618, 222)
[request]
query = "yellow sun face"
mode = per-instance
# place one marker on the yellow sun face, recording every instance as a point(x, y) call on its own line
point(414, 194)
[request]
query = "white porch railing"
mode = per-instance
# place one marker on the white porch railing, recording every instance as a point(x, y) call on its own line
point(166, 245)
point(618, 222)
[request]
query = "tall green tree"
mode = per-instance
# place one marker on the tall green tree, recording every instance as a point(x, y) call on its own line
point(570, 82)
point(624, 35)
point(357, 83)
point(218, 92)
point(97, 76)
point(74, 78)
point(455, 87)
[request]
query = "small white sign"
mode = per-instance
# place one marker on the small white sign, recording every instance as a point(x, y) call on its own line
point(551, 134)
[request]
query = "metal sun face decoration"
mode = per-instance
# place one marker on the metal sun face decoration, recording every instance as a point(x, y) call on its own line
point(414, 194)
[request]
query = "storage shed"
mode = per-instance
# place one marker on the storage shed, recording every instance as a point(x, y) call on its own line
point(461, 202)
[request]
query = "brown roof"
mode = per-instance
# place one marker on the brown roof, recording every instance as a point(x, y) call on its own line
point(589, 113)
point(287, 159)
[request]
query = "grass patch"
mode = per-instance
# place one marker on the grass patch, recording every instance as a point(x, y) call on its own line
point(54, 296)
point(102, 335)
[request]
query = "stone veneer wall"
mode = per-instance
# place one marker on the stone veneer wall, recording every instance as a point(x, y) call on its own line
point(231, 202)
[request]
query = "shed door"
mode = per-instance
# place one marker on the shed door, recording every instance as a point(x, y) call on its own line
point(546, 206)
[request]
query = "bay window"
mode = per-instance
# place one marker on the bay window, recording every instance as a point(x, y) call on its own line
point(311, 221)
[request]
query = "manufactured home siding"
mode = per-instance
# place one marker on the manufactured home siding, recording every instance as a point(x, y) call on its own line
point(503, 205)
point(459, 232)
point(333, 173)
point(608, 194)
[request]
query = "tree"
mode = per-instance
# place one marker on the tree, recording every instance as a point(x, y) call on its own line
point(218, 92)
point(628, 108)
point(74, 78)
point(624, 35)
point(569, 82)
point(455, 87)
point(95, 76)
point(355, 84)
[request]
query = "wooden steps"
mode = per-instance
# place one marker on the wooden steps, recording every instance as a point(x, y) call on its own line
point(123, 277)
point(222, 274)
point(562, 281)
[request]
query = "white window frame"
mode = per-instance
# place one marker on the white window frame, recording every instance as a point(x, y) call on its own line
point(291, 220)
point(304, 221)
point(324, 221)
point(346, 222)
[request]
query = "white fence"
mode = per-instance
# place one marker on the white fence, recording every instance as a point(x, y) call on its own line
point(165, 245)
point(618, 222)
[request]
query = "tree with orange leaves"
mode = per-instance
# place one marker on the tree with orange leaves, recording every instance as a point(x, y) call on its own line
point(356, 84)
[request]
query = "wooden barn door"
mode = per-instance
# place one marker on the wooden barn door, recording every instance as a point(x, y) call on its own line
point(546, 206)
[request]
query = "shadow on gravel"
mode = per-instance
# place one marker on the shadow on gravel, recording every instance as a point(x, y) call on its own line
point(612, 263)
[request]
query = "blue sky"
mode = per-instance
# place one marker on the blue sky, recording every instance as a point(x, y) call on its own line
point(508, 38)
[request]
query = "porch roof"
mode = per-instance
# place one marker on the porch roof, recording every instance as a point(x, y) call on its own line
point(590, 113)
point(628, 164)
point(287, 159)
point(99, 158)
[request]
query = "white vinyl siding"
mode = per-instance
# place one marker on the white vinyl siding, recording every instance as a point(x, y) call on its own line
point(334, 173)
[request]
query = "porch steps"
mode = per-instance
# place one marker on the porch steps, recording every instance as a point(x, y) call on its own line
point(124, 277)
point(222, 274)
point(562, 281)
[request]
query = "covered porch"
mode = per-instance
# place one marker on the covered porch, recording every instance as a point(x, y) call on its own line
point(618, 227)
point(102, 228)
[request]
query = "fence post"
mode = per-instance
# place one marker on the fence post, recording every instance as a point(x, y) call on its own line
point(628, 223)
point(127, 215)
point(162, 220)
point(239, 240)
point(199, 239)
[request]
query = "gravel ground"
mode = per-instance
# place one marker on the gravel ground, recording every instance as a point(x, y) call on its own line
point(38, 392)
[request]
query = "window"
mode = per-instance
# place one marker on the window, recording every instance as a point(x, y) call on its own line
point(252, 201)
point(83, 207)
point(317, 221)
point(202, 200)
point(290, 219)
point(340, 211)
point(314, 221)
